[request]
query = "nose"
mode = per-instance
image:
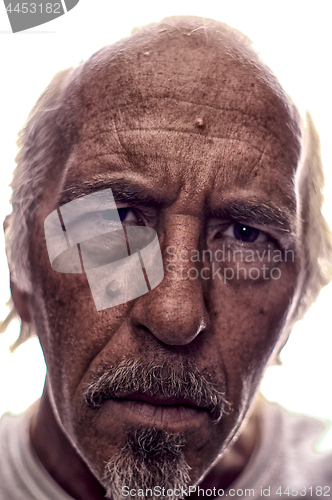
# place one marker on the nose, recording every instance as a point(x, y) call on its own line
point(174, 312)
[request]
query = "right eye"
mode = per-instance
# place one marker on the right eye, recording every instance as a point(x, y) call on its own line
point(245, 233)
point(125, 214)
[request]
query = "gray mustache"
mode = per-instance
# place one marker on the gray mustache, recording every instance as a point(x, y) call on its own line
point(157, 379)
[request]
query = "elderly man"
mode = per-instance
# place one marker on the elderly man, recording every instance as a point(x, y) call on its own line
point(175, 153)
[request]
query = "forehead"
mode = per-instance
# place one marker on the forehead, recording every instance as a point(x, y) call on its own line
point(183, 109)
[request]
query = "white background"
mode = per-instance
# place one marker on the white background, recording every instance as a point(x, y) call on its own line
point(293, 37)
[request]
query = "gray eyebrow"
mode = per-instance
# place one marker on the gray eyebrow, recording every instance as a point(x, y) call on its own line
point(123, 191)
point(263, 213)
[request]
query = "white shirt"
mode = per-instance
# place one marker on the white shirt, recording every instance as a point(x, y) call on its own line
point(285, 464)
point(22, 475)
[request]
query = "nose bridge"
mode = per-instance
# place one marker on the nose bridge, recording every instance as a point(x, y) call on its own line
point(182, 239)
point(174, 311)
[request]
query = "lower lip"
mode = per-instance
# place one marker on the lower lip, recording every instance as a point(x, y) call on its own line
point(141, 412)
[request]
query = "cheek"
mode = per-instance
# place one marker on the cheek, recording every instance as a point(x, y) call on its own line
point(247, 320)
point(69, 327)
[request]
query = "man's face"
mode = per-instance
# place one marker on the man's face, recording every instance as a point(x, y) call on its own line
point(209, 166)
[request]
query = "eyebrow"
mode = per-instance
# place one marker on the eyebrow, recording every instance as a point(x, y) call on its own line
point(250, 212)
point(124, 191)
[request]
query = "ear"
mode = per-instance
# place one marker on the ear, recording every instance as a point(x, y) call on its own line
point(21, 302)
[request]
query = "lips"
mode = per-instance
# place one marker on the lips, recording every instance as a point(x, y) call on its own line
point(160, 400)
point(144, 409)
point(170, 413)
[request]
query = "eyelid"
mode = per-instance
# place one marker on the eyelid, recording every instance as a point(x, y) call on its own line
point(134, 215)
point(142, 213)
point(262, 237)
point(273, 232)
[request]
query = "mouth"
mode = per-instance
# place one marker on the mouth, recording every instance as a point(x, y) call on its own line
point(155, 394)
point(146, 409)
point(160, 400)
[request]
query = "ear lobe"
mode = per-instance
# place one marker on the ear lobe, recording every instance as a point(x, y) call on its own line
point(21, 302)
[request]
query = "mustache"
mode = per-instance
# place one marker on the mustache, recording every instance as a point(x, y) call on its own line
point(159, 380)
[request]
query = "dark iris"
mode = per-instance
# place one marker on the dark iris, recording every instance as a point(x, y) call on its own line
point(113, 214)
point(245, 233)
point(123, 213)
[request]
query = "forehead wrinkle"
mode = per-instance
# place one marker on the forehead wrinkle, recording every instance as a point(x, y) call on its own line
point(223, 162)
point(177, 131)
point(221, 153)
point(220, 166)
point(260, 120)
point(264, 103)
point(164, 170)
point(164, 98)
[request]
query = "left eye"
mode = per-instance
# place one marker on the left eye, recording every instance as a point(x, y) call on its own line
point(245, 233)
point(125, 214)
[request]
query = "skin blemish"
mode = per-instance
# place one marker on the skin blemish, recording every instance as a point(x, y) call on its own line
point(199, 123)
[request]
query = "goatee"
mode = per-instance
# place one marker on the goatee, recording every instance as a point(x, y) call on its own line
point(152, 459)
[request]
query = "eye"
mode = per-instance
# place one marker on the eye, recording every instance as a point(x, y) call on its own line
point(245, 233)
point(125, 214)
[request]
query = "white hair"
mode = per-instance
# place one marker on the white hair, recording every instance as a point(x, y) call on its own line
point(41, 143)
